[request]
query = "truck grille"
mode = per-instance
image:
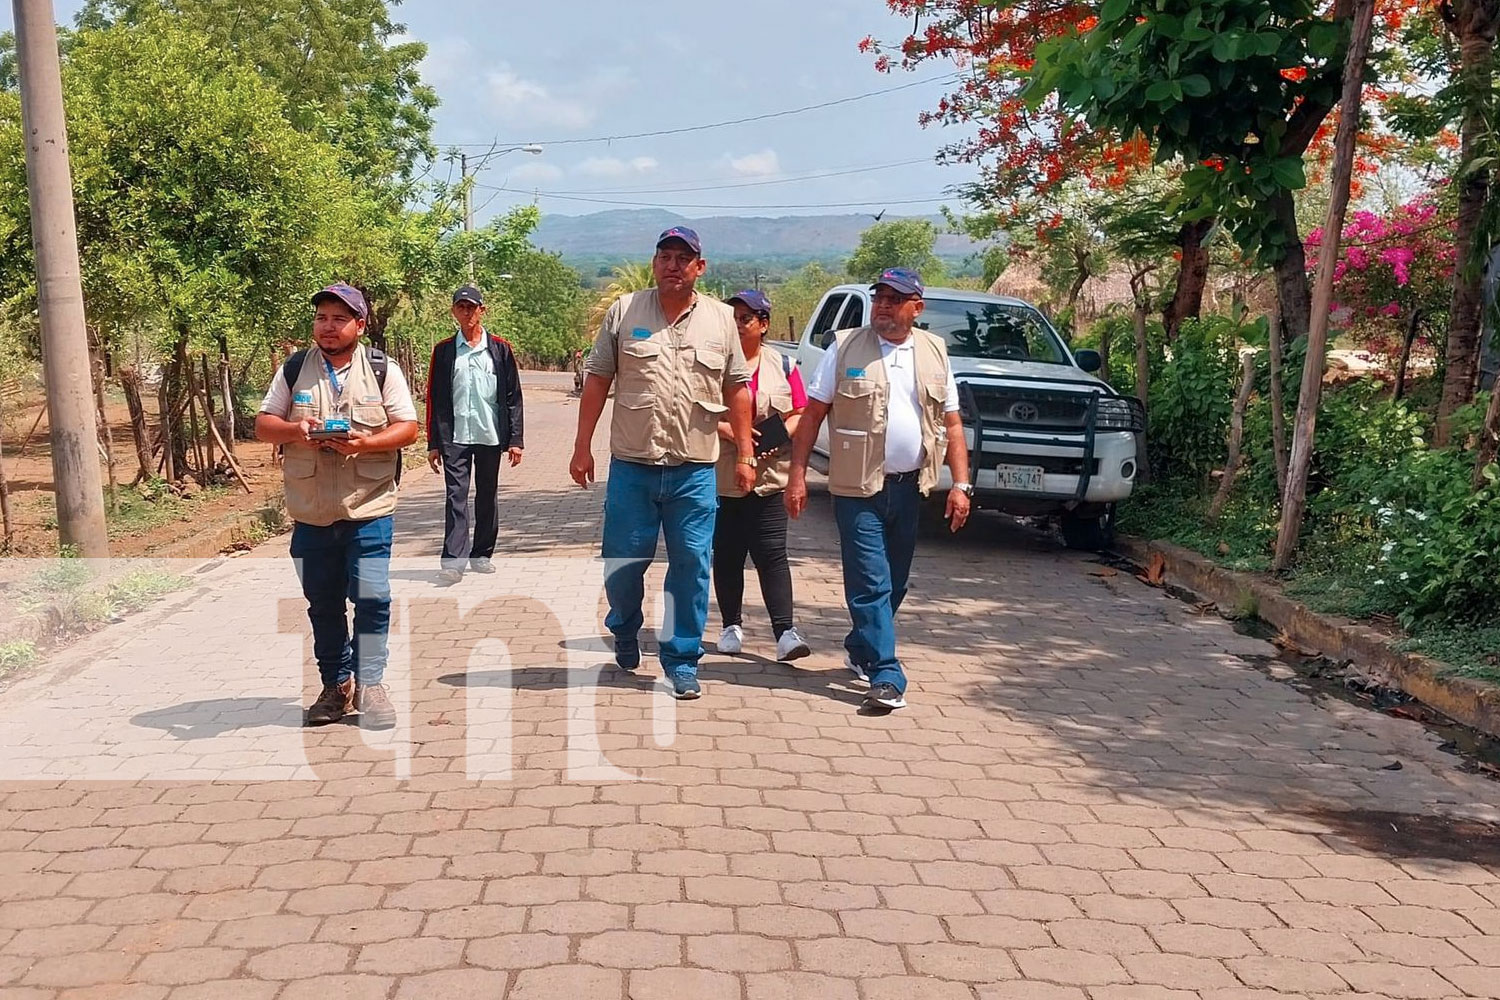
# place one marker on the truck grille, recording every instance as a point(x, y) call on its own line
point(1055, 465)
point(1022, 408)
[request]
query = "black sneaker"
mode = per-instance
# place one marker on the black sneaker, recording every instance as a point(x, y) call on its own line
point(884, 696)
point(685, 688)
point(481, 565)
point(627, 653)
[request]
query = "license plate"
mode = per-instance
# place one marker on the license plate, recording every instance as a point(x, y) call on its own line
point(1026, 478)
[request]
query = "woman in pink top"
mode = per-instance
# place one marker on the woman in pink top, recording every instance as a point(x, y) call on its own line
point(754, 523)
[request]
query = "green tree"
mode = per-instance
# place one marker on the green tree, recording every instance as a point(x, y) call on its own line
point(898, 243)
point(543, 309)
point(1235, 89)
point(175, 221)
point(344, 72)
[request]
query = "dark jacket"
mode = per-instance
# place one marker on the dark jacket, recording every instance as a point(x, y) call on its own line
point(440, 393)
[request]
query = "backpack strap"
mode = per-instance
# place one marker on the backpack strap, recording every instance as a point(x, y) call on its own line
point(786, 365)
point(379, 363)
point(291, 369)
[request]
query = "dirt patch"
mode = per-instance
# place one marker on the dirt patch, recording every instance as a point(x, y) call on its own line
point(1405, 835)
point(143, 523)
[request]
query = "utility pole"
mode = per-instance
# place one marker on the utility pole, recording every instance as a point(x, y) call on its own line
point(54, 234)
point(463, 168)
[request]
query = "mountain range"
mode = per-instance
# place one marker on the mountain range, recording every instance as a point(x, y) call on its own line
point(630, 232)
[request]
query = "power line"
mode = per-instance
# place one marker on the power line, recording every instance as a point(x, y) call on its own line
point(724, 124)
point(816, 175)
point(639, 204)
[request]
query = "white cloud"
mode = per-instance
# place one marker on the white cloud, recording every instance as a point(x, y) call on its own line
point(529, 173)
point(516, 100)
point(763, 164)
point(611, 166)
point(447, 61)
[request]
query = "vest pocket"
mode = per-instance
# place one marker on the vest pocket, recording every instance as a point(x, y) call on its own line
point(708, 371)
point(369, 417)
point(630, 430)
point(850, 459)
point(637, 361)
point(854, 404)
point(703, 431)
point(298, 463)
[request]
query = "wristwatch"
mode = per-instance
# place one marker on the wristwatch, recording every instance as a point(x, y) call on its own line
point(746, 460)
point(967, 489)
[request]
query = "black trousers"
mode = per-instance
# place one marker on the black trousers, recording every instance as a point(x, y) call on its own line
point(752, 525)
point(481, 462)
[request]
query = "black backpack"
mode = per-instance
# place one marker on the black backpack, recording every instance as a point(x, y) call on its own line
point(291, 370)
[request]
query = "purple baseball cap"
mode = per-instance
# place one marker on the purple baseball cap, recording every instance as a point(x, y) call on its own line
point(755, 301)
point(684, 234)
point(348, 295)
point(902, 280)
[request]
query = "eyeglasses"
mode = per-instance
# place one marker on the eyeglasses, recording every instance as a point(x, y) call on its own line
point(889, 298)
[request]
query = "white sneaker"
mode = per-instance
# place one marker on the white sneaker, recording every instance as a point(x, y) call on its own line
point(731, 640)
point(855, 669)
point(791, 646)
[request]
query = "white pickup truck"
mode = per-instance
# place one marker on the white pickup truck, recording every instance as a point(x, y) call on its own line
point(1046, 437)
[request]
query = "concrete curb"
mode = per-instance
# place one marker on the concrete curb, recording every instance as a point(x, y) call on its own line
point(1474, 703)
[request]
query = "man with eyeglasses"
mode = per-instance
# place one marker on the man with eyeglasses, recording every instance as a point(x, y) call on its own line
point(675, 358)
point(889, 393)
point(474, 417)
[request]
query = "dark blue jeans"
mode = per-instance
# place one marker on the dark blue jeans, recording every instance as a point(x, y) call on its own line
point(877, 539)
point(680, 502)
point(348, 561)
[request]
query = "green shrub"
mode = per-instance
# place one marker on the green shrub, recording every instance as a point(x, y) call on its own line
point(1192, 396)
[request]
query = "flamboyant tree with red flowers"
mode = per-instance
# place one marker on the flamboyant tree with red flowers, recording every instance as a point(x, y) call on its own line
point(1234, 91)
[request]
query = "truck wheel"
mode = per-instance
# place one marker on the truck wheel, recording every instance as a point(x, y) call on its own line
point(1089, 533)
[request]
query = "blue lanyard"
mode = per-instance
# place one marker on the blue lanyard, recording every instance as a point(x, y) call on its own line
point(333, 378)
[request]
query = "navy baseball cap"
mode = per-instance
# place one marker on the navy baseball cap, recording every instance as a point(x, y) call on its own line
point(684, 234)
point(348, 295)
point(468, 293)
point(902, 280)
point(754, 301)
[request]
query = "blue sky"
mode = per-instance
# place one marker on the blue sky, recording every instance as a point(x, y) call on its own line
point(521, 73)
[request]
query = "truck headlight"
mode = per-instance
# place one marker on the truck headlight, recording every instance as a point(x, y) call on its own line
point(1120, 413)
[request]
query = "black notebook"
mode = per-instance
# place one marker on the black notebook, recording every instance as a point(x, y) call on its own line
point(773, 435)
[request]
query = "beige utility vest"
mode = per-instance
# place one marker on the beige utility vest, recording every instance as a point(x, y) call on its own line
point(861, 403)
point(773, 394)
point(669, 380)
point(323, 487)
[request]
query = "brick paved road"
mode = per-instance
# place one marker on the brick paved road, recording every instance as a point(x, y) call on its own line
point(1096, 793)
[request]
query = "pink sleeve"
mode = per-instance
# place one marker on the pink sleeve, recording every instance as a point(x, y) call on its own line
point(799, 394)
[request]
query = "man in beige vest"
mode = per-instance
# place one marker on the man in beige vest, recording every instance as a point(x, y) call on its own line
point(893, 407)
point(342, 413)
point(674, 357)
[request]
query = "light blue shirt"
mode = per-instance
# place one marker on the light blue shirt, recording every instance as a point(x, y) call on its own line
point(475, 410)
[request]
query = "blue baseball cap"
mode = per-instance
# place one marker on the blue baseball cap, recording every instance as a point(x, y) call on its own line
point(902, 280)
point(754, 301)
point(348, 295)
point(470, 294)
point(684, 234)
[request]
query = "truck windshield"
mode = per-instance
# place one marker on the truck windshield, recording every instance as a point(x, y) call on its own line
point(992, 330)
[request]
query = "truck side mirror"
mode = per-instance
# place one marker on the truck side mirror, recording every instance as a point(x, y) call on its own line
point(1088, 360)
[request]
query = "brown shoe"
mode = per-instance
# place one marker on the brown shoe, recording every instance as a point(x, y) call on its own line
point(336, 701)
point(375, 708)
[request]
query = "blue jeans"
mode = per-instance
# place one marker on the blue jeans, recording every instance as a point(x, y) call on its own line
point(347, 561)
point(877, 539)
point(680, 501)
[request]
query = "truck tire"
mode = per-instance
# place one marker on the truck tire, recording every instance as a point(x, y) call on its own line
point(1089, 533)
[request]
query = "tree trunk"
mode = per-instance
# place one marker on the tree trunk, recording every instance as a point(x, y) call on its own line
point(1277, 352)
point(1236, 437)
point(226, 390)
point(1477, 24)
point(7, 524)
point(130, 380)
point(168, 446)
point(100, 367)
point(1489, 439)
point(1105, 339)
point(208, 410)
point(1405, 359)
point(1192, 276)
point(1291, 273)
point(185, 363)
point(1294, 499)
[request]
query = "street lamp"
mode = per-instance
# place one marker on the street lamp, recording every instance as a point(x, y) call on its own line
point(479, 161)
